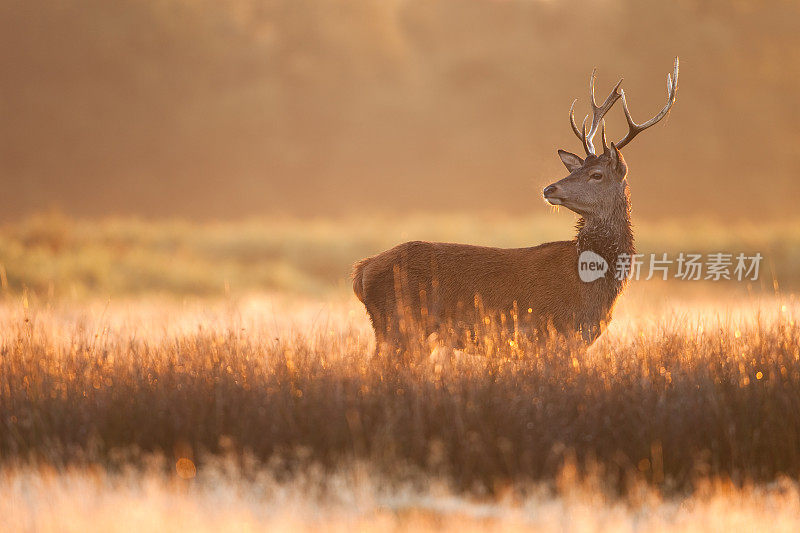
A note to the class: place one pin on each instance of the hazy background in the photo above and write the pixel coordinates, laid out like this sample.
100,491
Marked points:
208,109
186,184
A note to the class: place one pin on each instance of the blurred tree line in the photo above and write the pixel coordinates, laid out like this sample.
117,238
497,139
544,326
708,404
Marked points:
204,108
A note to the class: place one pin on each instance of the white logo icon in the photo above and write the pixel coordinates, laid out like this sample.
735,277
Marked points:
591,266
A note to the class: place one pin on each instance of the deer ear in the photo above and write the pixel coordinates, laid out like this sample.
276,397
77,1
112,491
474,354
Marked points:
570,160
618,161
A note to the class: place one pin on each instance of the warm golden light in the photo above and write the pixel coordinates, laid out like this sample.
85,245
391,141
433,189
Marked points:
185,186
185,468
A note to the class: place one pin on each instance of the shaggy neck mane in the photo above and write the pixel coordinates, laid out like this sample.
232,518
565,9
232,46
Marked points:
609,236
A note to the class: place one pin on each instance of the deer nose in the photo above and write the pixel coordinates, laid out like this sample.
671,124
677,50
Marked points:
549,190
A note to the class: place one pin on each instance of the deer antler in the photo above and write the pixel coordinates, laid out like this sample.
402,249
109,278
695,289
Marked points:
598,112
635,129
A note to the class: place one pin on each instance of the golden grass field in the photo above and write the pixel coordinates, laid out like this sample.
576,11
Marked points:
54,255
262,406
185,186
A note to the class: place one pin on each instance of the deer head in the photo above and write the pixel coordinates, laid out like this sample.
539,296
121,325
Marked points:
597,184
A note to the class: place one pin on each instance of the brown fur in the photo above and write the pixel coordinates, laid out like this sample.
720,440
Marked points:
418,288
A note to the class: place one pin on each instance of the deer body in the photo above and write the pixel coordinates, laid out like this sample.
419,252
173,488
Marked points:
418,288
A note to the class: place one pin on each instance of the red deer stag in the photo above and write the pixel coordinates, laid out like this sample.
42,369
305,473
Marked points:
418,288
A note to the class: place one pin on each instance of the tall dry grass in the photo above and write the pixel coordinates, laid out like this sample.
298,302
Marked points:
667,397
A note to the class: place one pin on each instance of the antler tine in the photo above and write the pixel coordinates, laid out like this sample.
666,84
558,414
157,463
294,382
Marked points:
584,137
579,133
598,112
603,135
572,120
635,129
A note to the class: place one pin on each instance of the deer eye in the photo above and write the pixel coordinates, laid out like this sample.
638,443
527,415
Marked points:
596,176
